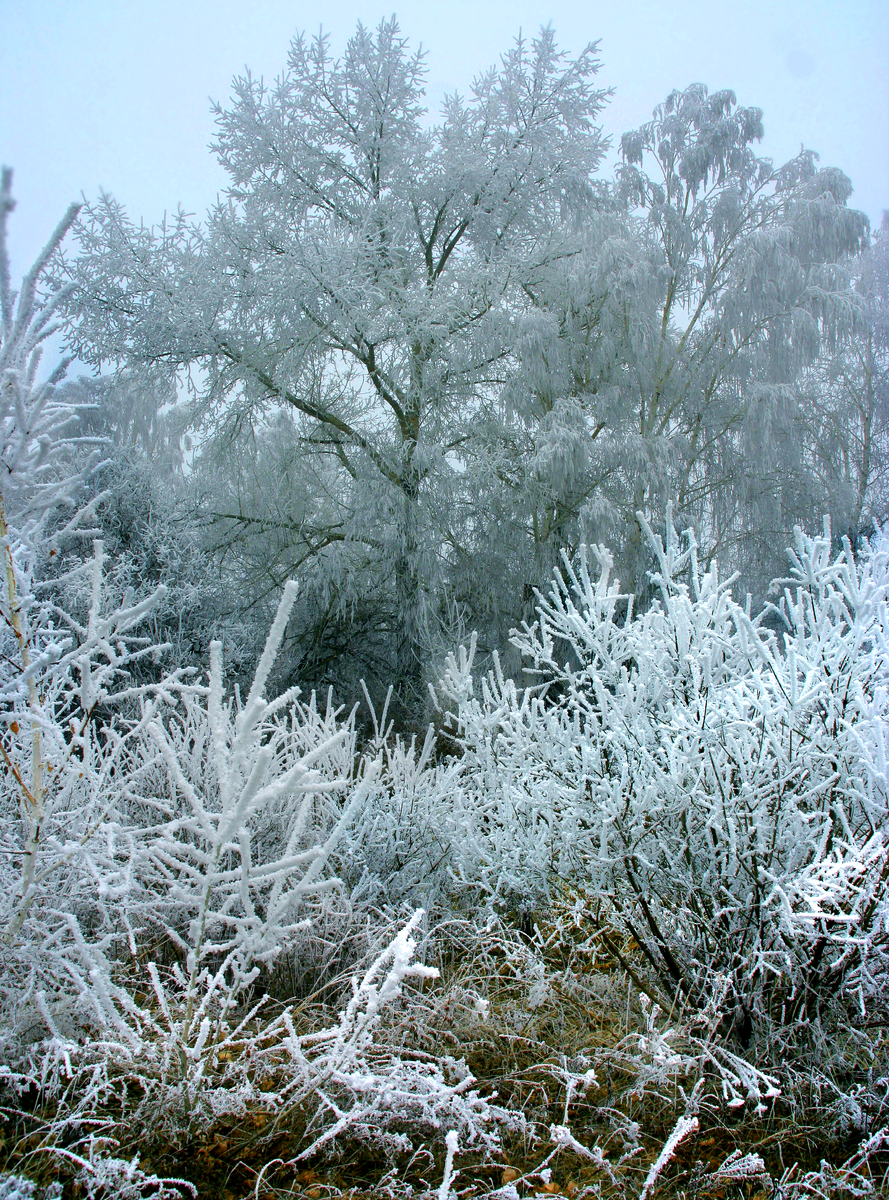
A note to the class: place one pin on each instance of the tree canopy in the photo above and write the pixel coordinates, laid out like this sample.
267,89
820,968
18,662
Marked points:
433,369
424,356
362,276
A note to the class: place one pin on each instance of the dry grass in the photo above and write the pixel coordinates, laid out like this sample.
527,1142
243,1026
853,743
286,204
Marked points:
542,1020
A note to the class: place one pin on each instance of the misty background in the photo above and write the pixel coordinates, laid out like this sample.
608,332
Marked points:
97,95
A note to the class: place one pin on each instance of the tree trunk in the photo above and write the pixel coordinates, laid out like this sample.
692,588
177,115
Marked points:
409,606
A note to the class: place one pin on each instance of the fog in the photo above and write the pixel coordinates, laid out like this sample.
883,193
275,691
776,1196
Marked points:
98,96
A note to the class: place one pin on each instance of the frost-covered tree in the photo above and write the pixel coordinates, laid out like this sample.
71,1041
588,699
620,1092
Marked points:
362,272
753,286
142,508
663,364
163,844
845,399
135,415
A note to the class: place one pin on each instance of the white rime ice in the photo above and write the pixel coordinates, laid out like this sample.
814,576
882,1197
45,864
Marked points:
718,789
436,354
164,844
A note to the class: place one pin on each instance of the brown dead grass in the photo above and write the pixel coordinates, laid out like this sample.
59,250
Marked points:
525,1012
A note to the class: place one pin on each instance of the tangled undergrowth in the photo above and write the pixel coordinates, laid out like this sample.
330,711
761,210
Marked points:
570,1082
627,935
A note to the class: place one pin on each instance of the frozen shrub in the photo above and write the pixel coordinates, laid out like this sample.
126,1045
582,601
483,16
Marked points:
163,844
717,791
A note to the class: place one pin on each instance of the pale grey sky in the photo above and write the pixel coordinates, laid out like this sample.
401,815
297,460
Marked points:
114,94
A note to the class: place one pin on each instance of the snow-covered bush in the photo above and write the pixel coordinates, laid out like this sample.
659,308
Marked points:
58,674
713,791
686,794
164,844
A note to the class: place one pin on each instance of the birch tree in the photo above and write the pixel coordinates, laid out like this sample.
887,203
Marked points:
665,365
846,399
753,287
